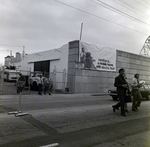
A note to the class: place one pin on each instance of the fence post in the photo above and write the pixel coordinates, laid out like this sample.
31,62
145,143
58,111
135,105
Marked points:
2,78
64,80
54,79
29,80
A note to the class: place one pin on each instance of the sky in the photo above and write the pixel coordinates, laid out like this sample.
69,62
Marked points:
41,25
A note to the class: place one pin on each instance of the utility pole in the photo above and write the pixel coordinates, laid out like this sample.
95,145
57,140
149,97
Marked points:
80,40
81,31
2,78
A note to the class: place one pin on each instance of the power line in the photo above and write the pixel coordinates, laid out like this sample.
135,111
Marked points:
120,12
13,46
135,11
141,4
10,45
131,6
146,2
100,17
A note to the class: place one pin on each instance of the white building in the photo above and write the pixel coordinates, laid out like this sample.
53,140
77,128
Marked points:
45,61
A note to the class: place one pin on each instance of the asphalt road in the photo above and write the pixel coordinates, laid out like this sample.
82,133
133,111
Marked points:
72,121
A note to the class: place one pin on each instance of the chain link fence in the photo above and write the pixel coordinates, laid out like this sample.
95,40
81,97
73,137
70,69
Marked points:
8,81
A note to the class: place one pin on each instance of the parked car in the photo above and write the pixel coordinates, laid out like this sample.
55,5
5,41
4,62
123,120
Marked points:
145,92
113,94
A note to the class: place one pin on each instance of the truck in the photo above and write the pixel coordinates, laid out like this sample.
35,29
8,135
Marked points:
33,80
11,75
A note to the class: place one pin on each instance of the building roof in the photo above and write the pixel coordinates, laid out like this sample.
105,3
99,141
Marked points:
53,54
7,57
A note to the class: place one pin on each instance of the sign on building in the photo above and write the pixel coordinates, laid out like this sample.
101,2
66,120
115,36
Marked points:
97,57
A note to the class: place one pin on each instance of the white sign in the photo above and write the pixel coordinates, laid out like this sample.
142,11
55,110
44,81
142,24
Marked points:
97,57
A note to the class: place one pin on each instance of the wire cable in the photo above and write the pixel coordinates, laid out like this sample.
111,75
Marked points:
141,4
138,12
120,12
100,17
146,2
131,6
10,45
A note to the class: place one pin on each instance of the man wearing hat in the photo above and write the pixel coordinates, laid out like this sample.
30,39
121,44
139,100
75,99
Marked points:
137,98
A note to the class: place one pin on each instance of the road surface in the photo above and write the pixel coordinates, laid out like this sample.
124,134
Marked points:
72,121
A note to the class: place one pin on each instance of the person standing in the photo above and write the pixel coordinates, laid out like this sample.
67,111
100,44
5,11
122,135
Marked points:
40,83
122,86
137,98
127,96
50,86
46,84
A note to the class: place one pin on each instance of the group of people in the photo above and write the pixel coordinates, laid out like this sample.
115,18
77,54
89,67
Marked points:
124,90
46,84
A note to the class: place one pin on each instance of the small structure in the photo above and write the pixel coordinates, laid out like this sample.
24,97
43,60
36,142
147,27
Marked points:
11,60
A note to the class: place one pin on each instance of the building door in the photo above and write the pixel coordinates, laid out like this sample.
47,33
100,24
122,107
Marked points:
42,66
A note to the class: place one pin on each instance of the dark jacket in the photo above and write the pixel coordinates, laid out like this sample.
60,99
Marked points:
119,81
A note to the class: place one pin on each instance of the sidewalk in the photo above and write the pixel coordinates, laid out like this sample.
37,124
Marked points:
35,94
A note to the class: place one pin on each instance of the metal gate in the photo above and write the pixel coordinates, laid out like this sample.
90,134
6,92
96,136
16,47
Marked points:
59,79
8,87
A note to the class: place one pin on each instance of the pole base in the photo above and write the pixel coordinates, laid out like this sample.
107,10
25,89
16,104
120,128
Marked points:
14,112
21,114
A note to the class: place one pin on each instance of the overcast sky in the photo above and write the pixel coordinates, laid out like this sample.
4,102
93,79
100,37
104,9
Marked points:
41,25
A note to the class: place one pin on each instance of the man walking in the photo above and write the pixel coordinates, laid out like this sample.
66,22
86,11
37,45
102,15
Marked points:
137,98
122,86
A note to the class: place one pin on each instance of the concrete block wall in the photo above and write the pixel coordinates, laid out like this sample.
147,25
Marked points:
73,57
95,81
134,64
